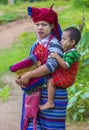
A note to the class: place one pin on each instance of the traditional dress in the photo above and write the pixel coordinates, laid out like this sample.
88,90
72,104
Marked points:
66,77
52,119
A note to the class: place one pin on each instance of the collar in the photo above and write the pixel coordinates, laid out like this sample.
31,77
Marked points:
43,41
73,49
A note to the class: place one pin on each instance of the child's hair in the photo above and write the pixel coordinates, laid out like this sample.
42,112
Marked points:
75,34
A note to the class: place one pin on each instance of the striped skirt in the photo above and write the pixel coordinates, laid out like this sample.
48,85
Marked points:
52,119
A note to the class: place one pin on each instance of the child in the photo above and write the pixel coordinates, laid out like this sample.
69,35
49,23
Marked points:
64,76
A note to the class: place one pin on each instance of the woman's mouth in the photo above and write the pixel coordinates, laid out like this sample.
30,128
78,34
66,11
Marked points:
40,33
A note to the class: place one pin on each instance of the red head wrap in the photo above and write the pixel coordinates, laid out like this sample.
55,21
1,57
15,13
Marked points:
48,15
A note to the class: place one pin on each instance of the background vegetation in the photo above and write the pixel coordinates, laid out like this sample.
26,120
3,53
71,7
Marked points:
70,14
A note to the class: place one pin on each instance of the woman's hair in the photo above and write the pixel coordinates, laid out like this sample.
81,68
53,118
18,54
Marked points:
75,34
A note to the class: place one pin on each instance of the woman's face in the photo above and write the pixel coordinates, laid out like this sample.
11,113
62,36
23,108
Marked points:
43,29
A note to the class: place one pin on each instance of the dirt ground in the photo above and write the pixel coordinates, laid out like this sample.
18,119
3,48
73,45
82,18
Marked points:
10,31
10,111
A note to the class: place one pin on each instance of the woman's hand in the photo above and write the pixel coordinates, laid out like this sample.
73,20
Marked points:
23,80
19,82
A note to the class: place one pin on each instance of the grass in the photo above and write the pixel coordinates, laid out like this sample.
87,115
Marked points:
68,16
19,50
5,93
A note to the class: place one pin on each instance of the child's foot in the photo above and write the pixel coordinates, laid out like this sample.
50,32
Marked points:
46,106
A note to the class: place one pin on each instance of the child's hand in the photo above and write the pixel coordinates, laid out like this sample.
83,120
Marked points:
54,55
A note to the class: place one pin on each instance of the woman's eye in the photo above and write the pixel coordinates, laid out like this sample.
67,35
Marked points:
44,24
37,24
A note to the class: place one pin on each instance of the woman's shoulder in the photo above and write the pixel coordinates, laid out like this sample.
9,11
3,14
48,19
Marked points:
55,42
55,46
33,47
54,39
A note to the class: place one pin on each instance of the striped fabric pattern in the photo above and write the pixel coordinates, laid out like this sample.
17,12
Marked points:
20,72
54,46
56,117
71,56
52,119
22,64
66,77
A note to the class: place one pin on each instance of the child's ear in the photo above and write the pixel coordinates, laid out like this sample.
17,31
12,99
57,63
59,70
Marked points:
73,42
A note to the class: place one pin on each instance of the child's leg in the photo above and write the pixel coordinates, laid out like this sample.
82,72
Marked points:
51,90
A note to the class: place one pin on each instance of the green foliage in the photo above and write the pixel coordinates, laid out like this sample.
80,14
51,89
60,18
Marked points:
10,16
4,2
80,3
17,1
84,49
73,20
19,50
78,106
12,12
4,93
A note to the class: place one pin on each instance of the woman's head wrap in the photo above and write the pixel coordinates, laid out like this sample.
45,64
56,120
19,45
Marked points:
48,15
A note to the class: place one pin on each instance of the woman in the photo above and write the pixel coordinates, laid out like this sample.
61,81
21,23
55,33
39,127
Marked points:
48,32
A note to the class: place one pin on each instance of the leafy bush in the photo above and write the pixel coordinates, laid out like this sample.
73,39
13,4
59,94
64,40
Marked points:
81,3
78,106
84,49
4,1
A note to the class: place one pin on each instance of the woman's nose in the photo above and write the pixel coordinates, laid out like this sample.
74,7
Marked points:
40,27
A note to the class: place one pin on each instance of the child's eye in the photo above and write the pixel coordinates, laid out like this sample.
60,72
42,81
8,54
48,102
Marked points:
63,39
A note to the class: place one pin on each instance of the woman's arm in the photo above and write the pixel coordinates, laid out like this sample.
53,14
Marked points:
38,72
49,67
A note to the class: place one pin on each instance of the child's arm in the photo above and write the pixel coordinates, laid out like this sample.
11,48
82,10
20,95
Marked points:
61,62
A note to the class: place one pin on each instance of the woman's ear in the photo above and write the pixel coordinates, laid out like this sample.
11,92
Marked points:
52,26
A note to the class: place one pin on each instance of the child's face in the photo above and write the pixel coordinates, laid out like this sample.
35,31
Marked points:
43,29
66,42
